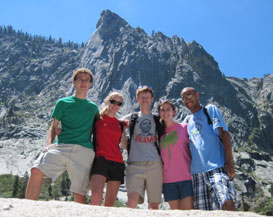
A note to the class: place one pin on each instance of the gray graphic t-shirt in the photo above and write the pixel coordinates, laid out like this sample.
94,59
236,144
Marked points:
143,140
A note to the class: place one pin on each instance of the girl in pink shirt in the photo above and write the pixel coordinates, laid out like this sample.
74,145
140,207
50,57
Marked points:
175,154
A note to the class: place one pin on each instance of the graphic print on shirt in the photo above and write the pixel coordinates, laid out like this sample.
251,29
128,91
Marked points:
168,140
216,121
145,136
195,130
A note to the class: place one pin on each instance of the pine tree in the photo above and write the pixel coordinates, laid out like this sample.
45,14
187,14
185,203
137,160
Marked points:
65,184
60,42
15,186
23,186
49,189
56,192
76,46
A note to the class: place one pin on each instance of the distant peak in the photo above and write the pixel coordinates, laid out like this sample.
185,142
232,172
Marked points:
108,18
194,44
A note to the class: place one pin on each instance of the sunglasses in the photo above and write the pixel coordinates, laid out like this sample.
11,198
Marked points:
146,86
112,101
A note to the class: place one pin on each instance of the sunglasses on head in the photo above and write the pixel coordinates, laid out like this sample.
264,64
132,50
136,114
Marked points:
112,101
146,86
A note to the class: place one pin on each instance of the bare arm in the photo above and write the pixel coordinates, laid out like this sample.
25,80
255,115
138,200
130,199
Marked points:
123,139
96,118
229,167
52,132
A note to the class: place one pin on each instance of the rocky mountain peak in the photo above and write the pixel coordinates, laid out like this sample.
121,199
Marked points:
110,24
35,72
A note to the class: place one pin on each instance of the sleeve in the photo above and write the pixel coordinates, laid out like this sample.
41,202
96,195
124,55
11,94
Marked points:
124,123
217,119
58,110
185,132
97,112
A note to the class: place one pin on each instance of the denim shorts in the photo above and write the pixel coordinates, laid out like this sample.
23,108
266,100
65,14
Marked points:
177,190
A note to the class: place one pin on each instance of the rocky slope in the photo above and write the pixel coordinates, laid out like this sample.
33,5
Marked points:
34,72
27,208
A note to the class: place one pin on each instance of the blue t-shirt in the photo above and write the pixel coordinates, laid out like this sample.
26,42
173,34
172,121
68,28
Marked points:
206,148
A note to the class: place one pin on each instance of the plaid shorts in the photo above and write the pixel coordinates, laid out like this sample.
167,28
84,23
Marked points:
212,189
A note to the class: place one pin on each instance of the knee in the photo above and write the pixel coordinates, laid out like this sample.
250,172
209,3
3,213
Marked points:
35,172
229,205
96,191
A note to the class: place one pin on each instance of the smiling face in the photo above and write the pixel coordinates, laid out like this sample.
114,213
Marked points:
114,104
190,98
166,112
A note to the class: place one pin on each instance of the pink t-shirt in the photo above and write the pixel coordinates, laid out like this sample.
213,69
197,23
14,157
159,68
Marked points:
175,153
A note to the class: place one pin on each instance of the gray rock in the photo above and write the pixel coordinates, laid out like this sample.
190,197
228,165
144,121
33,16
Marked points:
35,72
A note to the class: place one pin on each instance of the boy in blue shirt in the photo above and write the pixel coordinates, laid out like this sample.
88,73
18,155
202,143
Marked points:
212,166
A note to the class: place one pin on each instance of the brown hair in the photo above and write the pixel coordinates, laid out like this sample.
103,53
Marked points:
109,97
143,89
82,70
166,101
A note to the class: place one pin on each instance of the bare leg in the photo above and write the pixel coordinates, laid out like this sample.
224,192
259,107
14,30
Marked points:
133,200
79,198
174,204
153,205
34,184
186,203
97,185
111,193
229,205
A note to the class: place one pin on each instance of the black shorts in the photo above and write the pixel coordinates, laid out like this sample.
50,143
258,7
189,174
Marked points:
113,171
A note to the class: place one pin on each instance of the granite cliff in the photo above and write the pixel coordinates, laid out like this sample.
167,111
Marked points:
35,71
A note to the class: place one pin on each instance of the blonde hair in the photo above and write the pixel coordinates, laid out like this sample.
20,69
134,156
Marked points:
84,71
144,89
108,98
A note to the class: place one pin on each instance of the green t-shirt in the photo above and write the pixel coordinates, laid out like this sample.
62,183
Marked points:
76,117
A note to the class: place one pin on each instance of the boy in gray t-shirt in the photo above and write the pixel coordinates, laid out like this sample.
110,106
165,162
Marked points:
144,171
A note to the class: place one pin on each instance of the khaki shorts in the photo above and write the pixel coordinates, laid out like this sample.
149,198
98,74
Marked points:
145,175
75,159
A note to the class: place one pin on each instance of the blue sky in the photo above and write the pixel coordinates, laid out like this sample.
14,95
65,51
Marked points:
237,33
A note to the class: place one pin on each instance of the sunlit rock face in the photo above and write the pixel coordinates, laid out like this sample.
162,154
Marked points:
35,72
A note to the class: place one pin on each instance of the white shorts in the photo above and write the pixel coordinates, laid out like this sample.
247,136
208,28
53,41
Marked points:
75,159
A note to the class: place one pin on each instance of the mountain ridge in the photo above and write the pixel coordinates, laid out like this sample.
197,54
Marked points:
35,73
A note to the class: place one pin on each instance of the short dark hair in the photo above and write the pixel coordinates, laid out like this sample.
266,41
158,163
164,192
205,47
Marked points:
84,71
190,88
